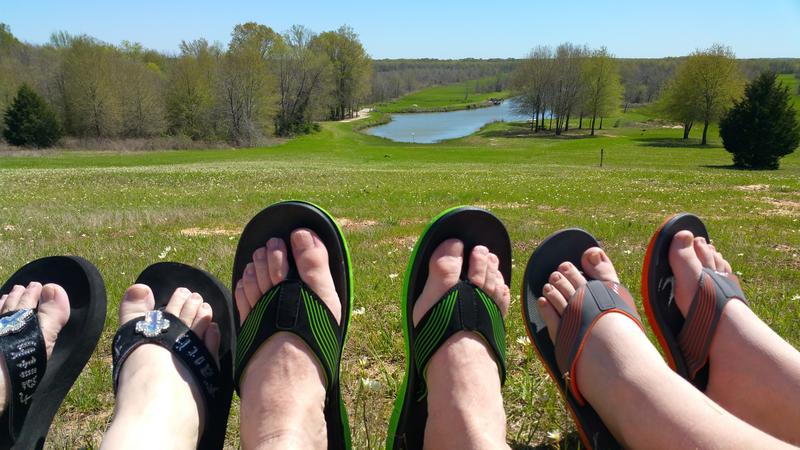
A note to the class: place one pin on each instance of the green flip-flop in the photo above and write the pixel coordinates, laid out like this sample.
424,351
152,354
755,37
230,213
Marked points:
463,307
294,307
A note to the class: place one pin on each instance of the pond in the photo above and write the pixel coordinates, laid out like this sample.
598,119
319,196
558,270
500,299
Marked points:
428,128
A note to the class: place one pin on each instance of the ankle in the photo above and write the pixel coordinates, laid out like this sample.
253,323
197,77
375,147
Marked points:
145,397
462,378
616,357
283,396
463,356
287,438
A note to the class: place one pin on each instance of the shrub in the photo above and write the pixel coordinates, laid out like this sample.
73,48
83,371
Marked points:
30,122
762,127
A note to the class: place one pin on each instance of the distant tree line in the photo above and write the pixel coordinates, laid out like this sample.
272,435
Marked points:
261,83
394,78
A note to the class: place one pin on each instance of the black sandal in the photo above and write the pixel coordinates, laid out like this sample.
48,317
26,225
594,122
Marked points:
293,307
162,328
38,384
463,307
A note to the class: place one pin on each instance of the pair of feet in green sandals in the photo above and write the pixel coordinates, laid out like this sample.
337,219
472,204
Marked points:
618,388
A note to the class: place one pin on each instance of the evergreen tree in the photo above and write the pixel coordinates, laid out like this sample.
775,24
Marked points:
30,122
762,127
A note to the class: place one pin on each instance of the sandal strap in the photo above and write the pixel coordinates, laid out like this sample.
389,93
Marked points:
591,301
176,337
465,307
714,291
25,354
293,307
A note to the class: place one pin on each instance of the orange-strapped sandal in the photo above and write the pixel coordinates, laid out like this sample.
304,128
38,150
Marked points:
591,301
685,341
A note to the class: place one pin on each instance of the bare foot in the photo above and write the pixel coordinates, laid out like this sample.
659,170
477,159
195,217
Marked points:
282,387
52,313
753,372
623,377
465,405
157,395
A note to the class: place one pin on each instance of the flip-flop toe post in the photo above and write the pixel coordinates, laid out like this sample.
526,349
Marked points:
38,386
588,303
164,329
292,306
463,307
685,341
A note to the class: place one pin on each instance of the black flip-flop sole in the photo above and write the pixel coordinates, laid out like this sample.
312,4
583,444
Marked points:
565,245
163,279
473,226
662,312
278,221
76,341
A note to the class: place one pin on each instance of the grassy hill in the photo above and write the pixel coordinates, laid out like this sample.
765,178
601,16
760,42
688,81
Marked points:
125,211
442,98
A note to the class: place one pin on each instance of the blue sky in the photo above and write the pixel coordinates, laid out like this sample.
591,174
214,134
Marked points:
435,29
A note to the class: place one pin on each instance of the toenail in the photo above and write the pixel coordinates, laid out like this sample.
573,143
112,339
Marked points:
48,293
272,243
595,258
32,284
260,254
249,270
548,288
183,290
555,276
301,239
564,266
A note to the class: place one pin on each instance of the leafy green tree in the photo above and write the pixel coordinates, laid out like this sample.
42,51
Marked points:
531,83
763,127
30,122
247,82
141,90
88,86
301,68
678,101
191,90
601,83
351,71
704,86
10,72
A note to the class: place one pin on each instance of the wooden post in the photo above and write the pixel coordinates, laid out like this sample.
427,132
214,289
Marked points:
601,156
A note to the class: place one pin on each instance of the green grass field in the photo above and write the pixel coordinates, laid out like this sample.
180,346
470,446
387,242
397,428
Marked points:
793,83
441,98
125,211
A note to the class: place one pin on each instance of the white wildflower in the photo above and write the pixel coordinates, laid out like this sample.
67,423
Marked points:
359,311
554,435
370,384
163,254
522,340
9,228
393,275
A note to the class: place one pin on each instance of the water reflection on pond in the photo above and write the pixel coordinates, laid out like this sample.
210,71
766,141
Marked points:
427,128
